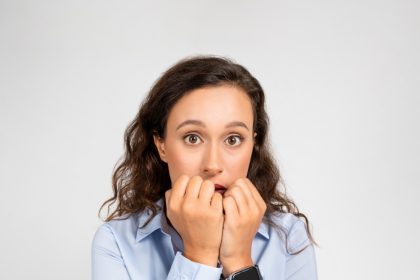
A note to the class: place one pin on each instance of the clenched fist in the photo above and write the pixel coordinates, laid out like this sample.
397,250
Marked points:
244,209
195,210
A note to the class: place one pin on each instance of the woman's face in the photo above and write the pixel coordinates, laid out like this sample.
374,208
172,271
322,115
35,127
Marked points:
209,133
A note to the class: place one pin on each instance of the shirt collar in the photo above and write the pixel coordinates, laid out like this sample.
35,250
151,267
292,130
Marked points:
263,231
157,222
160,222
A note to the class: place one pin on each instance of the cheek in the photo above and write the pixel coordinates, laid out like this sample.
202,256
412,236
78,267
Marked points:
238,163
182,162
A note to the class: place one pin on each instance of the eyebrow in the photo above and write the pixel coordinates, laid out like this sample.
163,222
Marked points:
200,123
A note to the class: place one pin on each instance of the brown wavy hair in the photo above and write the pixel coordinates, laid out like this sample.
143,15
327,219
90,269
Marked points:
141,178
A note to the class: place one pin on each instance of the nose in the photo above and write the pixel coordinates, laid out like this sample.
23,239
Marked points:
212,161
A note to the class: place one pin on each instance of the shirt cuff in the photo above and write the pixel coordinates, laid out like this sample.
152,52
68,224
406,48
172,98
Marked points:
183,268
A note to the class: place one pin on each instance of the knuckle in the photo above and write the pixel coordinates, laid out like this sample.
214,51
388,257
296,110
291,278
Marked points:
240,181
184,177
248,181
264,205
171,207
207,184
196,178
167,193
264,208
217,197
235,190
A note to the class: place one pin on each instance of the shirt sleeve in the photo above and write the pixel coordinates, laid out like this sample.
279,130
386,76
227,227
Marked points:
301,266
183,268
107,262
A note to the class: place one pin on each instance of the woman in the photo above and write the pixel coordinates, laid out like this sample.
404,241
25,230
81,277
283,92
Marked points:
195,193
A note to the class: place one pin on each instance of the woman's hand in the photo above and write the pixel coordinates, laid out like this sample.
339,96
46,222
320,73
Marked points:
196,212
244,209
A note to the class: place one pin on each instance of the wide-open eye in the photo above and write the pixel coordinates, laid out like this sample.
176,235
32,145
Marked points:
192,139
234,140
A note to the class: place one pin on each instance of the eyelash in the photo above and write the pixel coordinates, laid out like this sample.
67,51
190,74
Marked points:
241,138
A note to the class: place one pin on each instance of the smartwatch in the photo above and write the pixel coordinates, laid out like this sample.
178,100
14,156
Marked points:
249,273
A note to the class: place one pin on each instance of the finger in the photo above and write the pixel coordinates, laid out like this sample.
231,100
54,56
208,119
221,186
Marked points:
193,188
246,189
206,191
230,207
238,195
216,201
256,194
178,189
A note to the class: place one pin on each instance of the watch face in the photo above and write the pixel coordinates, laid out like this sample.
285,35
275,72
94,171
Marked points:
247,274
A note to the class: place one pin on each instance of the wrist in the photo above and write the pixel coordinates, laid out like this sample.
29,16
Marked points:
207,258
233,265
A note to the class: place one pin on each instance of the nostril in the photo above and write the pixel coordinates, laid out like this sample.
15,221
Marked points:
212,171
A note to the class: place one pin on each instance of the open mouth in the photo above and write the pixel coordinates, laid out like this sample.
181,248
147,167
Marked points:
219,188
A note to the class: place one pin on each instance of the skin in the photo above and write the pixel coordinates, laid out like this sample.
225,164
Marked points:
214,149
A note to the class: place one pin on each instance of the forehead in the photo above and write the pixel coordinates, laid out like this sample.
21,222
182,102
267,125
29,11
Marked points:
214,106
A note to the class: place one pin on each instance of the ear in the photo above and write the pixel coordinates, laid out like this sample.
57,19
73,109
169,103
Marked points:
160,145
253,139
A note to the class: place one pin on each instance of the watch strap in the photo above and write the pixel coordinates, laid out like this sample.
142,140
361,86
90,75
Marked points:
248,273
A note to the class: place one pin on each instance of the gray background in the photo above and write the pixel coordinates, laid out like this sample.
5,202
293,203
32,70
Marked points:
342,84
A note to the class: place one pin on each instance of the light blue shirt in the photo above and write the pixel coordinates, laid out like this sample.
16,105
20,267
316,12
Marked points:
122,250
